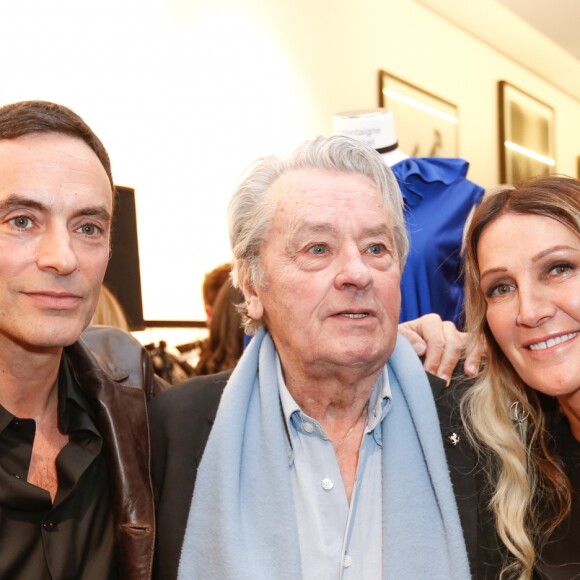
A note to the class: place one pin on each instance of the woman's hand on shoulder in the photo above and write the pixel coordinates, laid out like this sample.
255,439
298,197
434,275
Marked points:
442,345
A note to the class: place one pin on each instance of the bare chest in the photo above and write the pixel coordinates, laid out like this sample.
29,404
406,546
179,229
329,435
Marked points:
48,442
347,456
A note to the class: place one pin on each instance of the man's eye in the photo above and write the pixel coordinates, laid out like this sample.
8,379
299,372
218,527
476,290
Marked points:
376,249
89,229
21,222
317,249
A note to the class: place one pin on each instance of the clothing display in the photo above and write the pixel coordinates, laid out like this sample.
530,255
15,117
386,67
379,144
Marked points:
104,382
438,200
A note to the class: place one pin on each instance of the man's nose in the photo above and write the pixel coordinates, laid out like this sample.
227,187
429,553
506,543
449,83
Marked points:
353,272
55,251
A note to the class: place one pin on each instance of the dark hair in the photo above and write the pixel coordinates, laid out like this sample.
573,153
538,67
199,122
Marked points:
225,344
30,117
213,281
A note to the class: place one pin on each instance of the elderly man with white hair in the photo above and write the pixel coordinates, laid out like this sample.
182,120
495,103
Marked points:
323,457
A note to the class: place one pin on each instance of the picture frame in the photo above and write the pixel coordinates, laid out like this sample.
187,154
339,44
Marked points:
526,135
427,125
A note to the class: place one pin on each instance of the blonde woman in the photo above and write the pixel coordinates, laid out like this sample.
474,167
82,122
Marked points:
523,415
109,311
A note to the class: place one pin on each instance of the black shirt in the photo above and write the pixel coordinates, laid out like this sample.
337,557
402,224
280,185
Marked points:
560,557
74,537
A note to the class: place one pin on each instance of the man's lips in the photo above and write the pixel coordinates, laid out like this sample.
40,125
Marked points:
354,314
55,299
551,342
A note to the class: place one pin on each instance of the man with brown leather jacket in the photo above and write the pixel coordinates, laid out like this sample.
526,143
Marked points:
75,492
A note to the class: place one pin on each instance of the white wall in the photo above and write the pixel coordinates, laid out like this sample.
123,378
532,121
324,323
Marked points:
185,94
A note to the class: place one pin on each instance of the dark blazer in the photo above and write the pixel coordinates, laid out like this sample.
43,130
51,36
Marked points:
180,423
181,420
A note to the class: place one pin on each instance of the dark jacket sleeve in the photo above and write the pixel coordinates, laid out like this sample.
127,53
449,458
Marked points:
180,423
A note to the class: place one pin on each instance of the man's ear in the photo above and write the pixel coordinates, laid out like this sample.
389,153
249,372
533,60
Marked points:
253,302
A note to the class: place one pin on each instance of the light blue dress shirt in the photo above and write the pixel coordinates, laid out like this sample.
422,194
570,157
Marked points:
338,541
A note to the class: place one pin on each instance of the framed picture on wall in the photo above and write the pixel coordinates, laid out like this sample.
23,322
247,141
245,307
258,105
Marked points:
427,125
526,135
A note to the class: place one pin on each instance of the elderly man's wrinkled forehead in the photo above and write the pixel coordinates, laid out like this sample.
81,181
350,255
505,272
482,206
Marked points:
303,185
311,201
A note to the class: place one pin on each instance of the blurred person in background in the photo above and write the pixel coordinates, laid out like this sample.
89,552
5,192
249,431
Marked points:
109,311
224,346
212,284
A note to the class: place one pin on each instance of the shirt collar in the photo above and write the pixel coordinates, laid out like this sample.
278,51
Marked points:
289,405
74,411
5,418
379,402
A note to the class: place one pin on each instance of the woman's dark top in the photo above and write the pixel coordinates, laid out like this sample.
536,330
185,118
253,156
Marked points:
560,556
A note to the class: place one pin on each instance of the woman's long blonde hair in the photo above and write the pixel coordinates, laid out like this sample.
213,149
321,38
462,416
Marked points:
109,311
526,479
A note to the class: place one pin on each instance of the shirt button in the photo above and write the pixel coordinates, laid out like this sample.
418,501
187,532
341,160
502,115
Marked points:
327,484
308,427
16,425
347,561
48,525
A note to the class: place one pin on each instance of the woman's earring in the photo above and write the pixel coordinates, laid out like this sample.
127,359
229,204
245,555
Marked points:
519,417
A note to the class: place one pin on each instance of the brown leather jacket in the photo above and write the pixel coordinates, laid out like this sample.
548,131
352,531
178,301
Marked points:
116,376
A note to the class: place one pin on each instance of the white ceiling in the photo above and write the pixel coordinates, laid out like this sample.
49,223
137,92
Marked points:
554,58
559,20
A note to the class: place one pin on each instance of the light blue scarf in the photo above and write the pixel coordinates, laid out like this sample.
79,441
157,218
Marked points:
242,522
